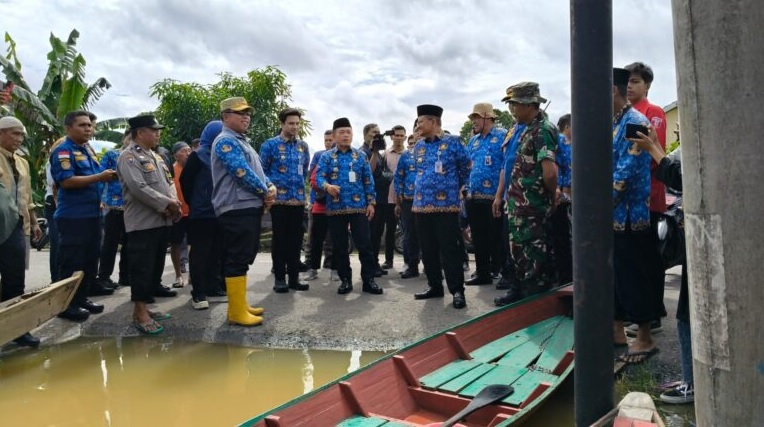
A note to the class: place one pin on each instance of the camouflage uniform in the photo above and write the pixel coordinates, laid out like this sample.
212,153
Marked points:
530,203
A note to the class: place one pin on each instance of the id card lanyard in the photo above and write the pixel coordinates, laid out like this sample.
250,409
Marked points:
438,164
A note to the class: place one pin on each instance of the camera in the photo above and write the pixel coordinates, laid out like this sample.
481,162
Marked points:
378,143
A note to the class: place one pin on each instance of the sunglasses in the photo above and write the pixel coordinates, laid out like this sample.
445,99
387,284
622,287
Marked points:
239,113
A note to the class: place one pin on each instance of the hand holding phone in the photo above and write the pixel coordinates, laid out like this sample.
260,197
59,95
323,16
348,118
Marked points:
633,128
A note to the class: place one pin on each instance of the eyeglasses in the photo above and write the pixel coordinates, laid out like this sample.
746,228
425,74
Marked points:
239,113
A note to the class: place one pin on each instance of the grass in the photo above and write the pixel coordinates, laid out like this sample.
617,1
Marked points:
641,378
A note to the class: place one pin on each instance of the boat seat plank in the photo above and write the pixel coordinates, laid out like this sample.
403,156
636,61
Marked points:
499,375
458,383
537,332
522,355
359,421
447,373
560,343
526,385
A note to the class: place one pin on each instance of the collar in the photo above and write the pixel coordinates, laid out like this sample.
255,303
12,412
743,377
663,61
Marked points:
7,154
643,103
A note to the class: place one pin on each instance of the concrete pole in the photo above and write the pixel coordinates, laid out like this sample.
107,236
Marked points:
720,63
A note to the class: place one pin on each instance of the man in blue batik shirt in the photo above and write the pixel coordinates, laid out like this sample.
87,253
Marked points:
560,220
285,161
404,181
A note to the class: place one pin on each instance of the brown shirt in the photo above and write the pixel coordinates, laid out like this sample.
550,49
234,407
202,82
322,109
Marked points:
147,188
21,193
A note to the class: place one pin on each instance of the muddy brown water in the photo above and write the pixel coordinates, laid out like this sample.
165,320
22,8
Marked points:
152,382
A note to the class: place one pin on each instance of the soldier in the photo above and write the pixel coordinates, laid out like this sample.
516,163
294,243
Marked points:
405,178
531,194
151,206
345,175
285,160
442,171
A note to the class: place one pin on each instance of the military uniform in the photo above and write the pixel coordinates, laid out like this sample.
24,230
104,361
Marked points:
404,181
114,226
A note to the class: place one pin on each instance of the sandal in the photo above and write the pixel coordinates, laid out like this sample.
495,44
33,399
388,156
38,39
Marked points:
158,315
637,357
149,328
179,282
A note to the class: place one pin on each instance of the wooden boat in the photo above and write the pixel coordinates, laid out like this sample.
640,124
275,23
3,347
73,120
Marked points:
528,345
28,311
636,409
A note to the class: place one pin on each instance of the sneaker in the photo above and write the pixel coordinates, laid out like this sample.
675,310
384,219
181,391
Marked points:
310,275
683,393
655,328
334,276
200,303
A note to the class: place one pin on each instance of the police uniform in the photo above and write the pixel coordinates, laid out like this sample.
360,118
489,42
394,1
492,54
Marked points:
147,190
114,226
286,163
350,171
404,181
442,165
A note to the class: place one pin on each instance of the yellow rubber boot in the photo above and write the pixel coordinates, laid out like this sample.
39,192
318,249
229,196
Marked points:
255,311
238,310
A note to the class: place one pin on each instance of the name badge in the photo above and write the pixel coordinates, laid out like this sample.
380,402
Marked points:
438,167
351,176
299,169
488,160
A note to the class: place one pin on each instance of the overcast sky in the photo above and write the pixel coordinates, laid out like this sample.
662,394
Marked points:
372,61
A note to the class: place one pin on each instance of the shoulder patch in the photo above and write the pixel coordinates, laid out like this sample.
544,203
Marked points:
240,172
226,148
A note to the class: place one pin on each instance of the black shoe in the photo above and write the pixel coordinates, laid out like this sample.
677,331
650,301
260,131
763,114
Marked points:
430,292
74,313
280,286
409,273
371,287
387,265
150,300
90,306
378,272
345,287
381,271
459,301
478,280
97,289
298,285
304,267
504,284
512,296
107,283
27,340
162,291
495,275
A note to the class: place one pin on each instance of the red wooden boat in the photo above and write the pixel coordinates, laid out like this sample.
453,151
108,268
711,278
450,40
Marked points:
528,345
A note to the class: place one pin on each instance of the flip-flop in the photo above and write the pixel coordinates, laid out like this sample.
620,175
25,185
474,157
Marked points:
646,354
158,315
149,328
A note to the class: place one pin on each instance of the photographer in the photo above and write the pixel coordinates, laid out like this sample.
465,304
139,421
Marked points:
373,143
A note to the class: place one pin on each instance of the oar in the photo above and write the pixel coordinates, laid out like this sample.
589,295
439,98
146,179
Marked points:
488,395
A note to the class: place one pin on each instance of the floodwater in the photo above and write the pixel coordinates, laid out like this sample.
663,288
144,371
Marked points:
151,382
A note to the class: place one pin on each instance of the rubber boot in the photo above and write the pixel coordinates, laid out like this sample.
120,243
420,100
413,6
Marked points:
255,311
238,310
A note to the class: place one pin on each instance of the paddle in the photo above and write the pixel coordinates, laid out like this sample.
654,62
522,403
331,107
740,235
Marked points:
488,395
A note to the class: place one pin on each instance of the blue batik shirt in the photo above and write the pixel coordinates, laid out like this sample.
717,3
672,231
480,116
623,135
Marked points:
351,172
112,195
443,167
564,163
68,160
511,142
405,176
487,161
313,164
631,175
286,164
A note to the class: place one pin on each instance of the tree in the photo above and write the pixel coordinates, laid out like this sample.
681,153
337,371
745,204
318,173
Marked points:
64,89
504,120
185,108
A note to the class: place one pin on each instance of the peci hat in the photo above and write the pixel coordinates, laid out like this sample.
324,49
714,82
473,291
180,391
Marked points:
11,122
179,146
524,93
235,103
144,121
342,122
483,110
429,110
621,76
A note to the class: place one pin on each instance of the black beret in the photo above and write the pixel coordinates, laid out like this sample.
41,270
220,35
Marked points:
342,122
621,77
429,110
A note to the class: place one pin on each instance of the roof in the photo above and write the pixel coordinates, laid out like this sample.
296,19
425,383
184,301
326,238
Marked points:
670,107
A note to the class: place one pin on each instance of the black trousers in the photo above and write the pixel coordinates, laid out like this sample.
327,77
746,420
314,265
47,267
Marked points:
113,235
439,236
318,235
561,243
410,236
206,256
287,240
636,299
12,262
359,226
79,247
384,222
147,250
508,270
241,239
658,270
486,237
50,209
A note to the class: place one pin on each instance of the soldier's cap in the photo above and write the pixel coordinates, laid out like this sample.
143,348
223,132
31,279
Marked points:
11,122
235,103
179,146
429,110
483,110
621,76
144,121
524,93
342,122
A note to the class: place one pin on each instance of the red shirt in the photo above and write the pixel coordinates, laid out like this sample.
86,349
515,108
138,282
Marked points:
318,207
657,118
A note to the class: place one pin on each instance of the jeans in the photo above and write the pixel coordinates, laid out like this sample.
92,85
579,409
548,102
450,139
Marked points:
685,350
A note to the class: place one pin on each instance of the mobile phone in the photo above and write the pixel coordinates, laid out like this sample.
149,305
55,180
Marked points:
633,128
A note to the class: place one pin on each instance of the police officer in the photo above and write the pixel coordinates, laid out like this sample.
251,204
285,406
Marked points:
151,205
285,162
531,194
79,178
442,170
345,175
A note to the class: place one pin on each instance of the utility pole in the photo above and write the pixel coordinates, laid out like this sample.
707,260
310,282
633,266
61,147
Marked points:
591,26
719,60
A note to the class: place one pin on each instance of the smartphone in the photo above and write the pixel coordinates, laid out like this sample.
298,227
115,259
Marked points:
633,128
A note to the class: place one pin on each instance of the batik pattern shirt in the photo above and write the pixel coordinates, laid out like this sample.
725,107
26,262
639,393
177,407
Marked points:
510,151
112,195
564,163
487,161
351,172
442,165
631,175
286,164
528,197
68,160
405,176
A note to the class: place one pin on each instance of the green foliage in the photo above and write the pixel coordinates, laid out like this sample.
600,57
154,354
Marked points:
504,120
185,108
